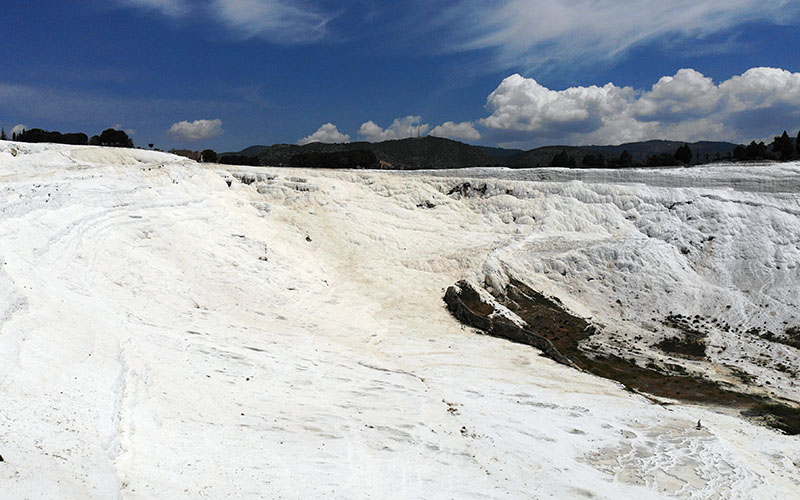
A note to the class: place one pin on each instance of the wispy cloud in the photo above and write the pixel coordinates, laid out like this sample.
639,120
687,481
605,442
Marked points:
284,22
172,8
531,34
524,34
277,21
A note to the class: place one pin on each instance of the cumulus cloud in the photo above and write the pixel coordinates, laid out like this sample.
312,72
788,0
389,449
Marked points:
401,128
19,128
197,130
278,21
452,130
327,133
687,106
688,93
532,33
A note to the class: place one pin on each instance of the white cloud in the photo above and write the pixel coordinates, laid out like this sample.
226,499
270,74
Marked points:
197,130
532,33
688,93
687,106
523,104
452,130
327,133
19,128
401,128
277,21
762,87
169,7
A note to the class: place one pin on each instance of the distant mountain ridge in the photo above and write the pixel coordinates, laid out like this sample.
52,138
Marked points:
439,153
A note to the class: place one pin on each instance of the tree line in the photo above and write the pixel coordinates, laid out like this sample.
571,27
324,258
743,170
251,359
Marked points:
782,148
682,156
109,137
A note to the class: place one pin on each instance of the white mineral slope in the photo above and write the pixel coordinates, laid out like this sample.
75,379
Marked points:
720,245
166,335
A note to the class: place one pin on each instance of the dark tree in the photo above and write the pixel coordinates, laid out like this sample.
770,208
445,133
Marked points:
625,159
78,138
589,161
39,135
208,156
740,153
150,146
95,141
560,160
115,138
783,146
756,151
3,136
684,154
600,161
662,160
797,143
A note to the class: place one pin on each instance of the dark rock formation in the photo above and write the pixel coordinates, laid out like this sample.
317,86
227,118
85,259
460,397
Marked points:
465,304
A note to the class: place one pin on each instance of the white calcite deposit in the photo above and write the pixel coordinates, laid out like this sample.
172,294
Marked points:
169,331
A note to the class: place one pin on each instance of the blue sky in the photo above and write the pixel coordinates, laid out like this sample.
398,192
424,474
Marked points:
227,74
